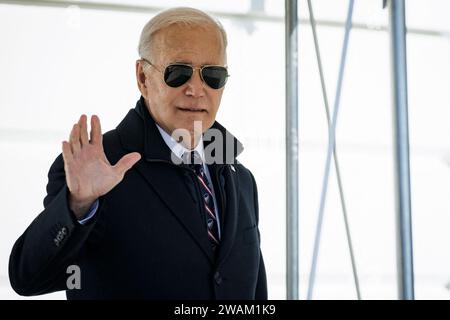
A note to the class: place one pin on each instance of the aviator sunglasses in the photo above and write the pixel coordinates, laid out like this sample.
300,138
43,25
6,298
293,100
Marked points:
177,74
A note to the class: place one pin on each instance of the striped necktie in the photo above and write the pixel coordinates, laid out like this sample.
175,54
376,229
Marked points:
208,201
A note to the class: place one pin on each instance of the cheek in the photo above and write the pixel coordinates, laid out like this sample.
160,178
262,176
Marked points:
216,101
215,104
159,96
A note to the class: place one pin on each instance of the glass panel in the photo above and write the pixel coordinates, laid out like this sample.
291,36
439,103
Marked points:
365,149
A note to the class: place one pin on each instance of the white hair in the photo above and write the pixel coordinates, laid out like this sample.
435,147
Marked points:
181,16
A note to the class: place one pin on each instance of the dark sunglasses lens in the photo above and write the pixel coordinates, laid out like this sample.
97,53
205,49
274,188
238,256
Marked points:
177,75
215,77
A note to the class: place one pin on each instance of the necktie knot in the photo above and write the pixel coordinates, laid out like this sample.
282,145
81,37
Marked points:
194,161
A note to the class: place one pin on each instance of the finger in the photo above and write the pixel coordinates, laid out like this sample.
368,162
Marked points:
83,130
127,161
75,138
66,152
96,130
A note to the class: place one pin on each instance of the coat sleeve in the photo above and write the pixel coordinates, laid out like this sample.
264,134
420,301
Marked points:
261,286
40,257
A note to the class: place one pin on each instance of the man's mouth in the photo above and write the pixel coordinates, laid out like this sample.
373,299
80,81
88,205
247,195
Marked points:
184,109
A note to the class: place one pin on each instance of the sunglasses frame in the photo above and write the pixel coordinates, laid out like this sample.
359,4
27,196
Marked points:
193,71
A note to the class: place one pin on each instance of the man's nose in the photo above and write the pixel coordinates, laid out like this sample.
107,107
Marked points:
195,85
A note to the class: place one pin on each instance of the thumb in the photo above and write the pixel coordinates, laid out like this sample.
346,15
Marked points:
127,161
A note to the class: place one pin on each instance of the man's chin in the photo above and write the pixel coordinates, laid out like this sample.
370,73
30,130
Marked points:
189,134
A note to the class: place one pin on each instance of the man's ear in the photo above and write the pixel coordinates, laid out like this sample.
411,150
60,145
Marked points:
141,77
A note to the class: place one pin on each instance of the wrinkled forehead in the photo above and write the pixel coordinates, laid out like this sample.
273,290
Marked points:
183,42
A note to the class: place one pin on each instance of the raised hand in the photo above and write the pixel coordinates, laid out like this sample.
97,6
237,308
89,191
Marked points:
89,174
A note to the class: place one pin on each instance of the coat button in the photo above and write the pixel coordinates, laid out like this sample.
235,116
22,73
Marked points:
218,278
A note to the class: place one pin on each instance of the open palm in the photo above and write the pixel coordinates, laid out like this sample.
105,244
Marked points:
89,174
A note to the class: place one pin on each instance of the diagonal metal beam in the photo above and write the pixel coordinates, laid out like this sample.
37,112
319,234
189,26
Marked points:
331,144
335,156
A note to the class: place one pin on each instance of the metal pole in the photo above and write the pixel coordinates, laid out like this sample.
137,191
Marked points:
292,266
397,30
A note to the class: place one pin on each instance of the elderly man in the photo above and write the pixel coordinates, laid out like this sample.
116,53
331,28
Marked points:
168,220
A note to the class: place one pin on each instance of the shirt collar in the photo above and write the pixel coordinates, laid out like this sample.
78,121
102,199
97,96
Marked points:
177,148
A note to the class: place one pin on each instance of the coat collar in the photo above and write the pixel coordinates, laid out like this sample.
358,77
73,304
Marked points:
138,132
